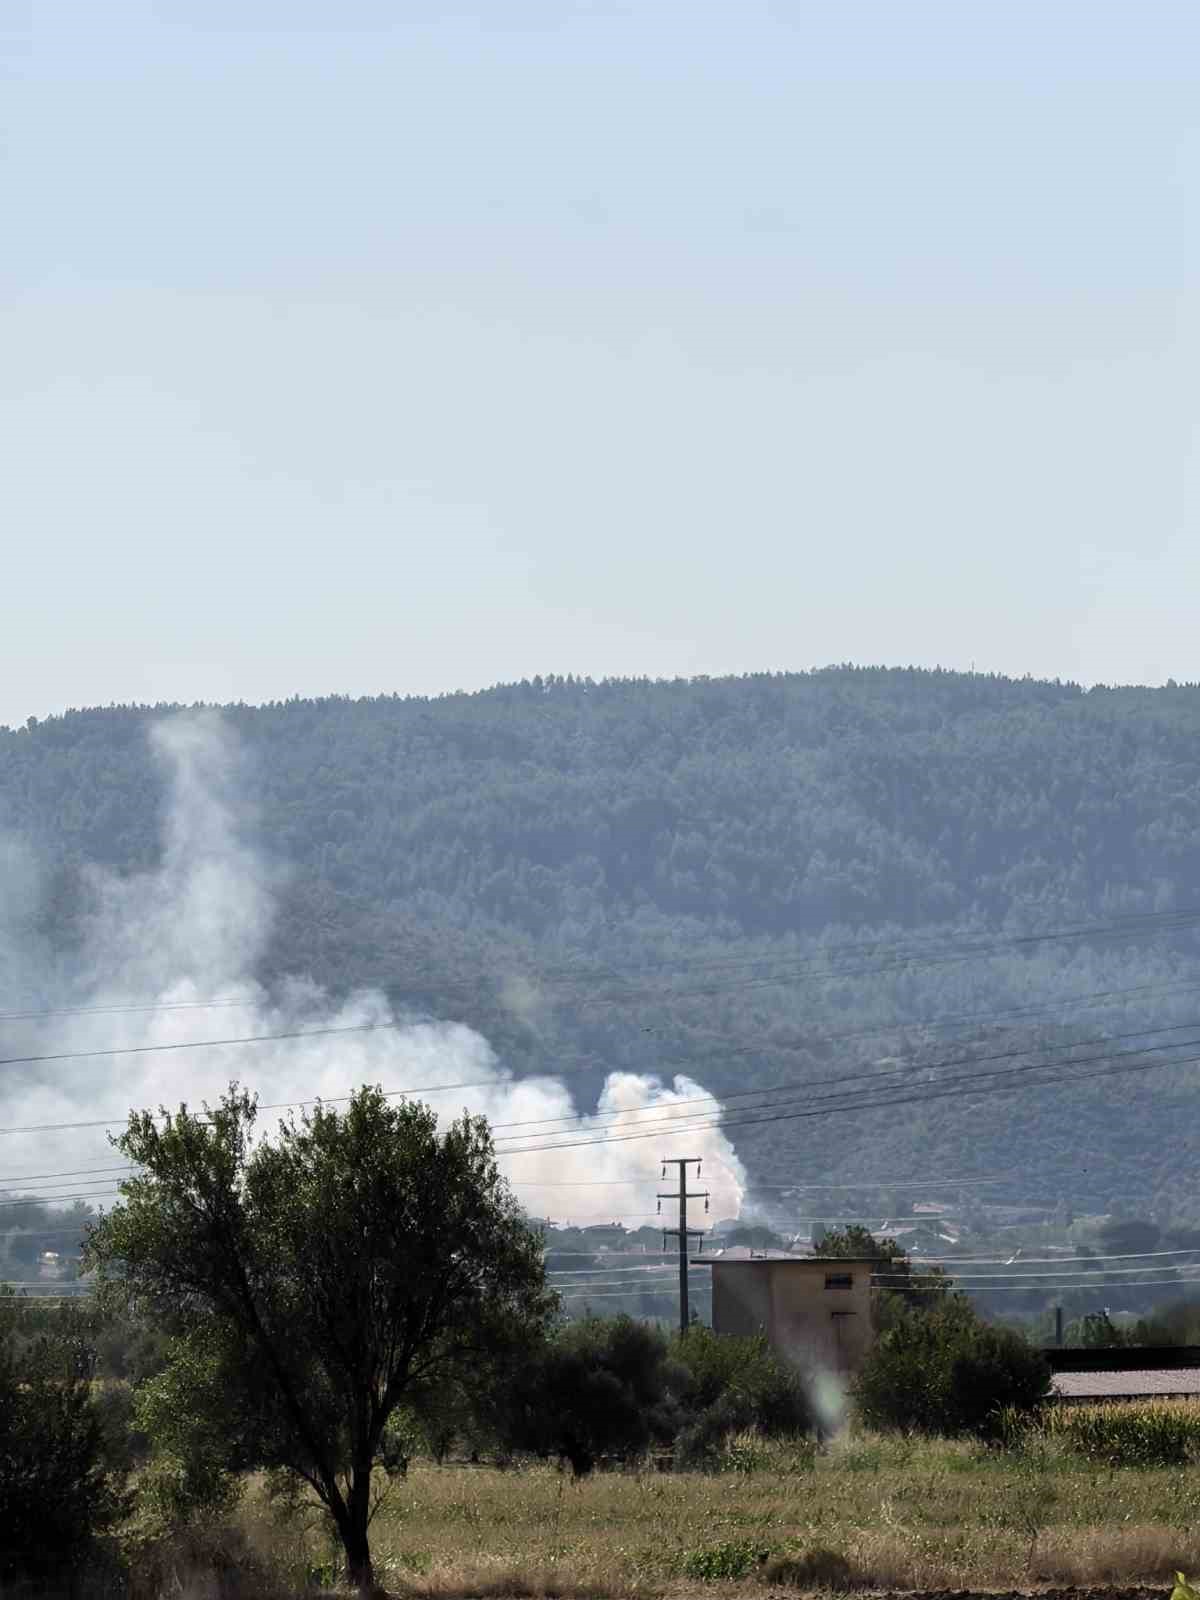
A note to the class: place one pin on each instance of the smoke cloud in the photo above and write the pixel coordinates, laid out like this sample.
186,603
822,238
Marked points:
193,930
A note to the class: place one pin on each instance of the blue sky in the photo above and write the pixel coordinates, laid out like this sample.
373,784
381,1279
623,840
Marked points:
360,346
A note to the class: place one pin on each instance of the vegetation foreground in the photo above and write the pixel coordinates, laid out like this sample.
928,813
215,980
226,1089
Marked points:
869,1511
292,1339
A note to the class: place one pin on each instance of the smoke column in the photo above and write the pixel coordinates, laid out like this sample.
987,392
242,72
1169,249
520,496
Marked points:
193,930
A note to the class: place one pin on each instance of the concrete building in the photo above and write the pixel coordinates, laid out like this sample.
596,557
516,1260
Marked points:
816,1310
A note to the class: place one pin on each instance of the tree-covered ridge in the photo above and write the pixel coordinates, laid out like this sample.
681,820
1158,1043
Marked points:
776,804
664,861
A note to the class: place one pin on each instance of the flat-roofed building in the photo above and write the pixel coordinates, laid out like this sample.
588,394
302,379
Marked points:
815,1310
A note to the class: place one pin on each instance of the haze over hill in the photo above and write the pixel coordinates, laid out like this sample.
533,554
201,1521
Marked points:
763,882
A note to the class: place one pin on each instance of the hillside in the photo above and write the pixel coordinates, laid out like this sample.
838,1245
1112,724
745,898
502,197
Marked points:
734,878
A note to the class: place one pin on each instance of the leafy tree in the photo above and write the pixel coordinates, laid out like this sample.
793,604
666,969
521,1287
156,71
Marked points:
58,1486
735,1383
855,1240
601,1388
315,1281
897,1287
943,1371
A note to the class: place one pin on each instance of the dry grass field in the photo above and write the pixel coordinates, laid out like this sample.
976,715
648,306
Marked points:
867,1512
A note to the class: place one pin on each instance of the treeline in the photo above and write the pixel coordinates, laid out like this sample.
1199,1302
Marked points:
698,876
319,1307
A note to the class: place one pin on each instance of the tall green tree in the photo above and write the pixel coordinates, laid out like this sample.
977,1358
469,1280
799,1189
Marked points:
321,1277
894,1275
944,1371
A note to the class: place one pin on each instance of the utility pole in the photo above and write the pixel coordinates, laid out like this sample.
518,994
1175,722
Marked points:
683,1232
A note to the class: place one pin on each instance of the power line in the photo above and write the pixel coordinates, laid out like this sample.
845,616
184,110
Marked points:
656,1283
1048,1288
1020,1277
604,1294
200,1044
71,1172
121,1009
1121,927
988,1261
969,1087
59,1199
665,1113
609,1272
491,1082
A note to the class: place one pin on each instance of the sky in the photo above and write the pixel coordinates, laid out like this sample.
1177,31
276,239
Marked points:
416,345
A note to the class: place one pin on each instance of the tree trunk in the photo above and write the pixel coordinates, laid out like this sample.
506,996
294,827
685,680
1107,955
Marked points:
358,1560
352,1530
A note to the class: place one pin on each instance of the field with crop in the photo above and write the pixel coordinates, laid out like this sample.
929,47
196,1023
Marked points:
869,1512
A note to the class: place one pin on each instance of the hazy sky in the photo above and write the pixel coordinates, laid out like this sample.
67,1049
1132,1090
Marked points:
357,346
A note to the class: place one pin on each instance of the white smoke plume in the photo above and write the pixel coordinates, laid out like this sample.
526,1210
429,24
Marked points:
193,930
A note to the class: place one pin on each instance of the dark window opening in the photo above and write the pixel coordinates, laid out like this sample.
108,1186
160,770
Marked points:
839,1280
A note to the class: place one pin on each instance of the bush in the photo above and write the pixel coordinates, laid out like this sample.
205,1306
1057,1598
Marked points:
598,1390
58,1485
612,1389
193,1473
744,1378
731,1559
943,1371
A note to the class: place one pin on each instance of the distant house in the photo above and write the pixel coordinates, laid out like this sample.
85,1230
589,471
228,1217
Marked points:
603,1232
815,1310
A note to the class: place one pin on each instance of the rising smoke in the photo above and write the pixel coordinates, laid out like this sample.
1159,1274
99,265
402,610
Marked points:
193,930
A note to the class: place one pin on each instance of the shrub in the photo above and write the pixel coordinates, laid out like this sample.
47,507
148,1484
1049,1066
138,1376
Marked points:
731,1559
58,1487
599,1389
192,1476
943,1371
611,1389
743,1376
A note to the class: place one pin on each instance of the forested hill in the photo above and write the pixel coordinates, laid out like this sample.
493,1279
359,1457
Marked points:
658,864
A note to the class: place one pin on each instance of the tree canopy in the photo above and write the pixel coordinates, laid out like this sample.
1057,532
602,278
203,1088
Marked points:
317,1279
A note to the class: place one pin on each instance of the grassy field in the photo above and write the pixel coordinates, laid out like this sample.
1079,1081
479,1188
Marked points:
868,1511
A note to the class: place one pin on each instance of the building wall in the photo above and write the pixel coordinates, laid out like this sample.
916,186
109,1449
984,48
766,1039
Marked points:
741,1298
806,1321
827,1327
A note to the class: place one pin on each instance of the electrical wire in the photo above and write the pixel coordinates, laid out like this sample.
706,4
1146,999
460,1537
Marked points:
121,1009
901,955
58,1199
968,1089
989,1261
665,1111
1021,1277
491,1082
